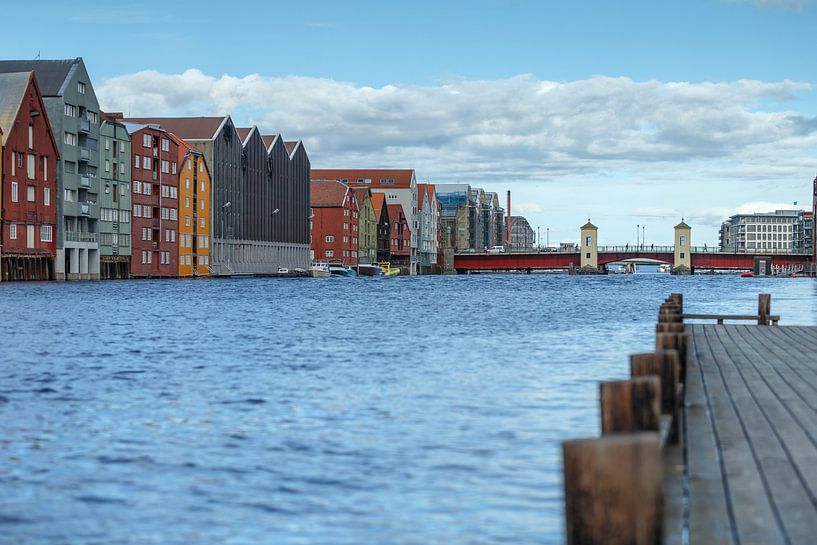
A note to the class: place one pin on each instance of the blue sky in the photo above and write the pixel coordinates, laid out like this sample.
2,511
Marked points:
636,109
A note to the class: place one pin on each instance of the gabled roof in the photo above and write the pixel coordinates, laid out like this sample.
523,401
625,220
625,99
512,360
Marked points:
269,140
327,193
683,225
361,194
12,91
51,75
243,133
589,225
377,202
402,177
290,147
183,145
189,128
395,210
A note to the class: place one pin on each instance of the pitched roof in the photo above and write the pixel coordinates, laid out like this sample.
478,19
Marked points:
189,128
402,177
243,132
395,210
51,75
588,225
290,146
268,139
683,225
12,91
183,145
361,194
377,202
327,193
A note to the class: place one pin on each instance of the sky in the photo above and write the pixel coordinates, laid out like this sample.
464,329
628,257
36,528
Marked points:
631,113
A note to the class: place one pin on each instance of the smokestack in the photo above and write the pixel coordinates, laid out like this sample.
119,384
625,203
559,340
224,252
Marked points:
508,240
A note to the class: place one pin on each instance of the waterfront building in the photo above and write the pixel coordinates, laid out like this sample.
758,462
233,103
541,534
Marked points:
490,219
195,213
73,112
399,187
29,156
381,212
400,238
366,226
458,216
781,231
522,234
814,215
155,197
259,195
428,234
334,222
114,200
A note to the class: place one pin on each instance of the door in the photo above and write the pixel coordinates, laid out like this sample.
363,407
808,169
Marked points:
29,236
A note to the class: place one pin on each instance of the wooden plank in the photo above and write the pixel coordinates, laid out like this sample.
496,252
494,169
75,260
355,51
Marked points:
613,490
630,405
710,520
796,366
755,520
786,455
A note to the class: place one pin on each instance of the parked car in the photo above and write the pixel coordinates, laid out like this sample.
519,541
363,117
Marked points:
497,250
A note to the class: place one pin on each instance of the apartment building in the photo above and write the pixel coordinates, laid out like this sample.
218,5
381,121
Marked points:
73,111
195,211
114,200
781,231
334,222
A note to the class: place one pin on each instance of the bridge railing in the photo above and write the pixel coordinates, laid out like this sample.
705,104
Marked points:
643,248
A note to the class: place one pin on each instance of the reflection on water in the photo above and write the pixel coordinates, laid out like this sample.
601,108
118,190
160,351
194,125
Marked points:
331,411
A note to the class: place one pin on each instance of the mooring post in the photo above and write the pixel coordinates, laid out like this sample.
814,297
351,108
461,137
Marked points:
613,490
674,341
630,405
666,366
764,308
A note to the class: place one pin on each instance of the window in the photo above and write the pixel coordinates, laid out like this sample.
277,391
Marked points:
80,88
121,147
189,241
45,168
682,255
587,255
13,231
165,144
202,185
107,143
30,136
31,193
30,164
173,168
146,140
71,139
165,166
45,233
329,238
202,205
588,241
330,253
124,216
146,163
107,165
201,222
137,186
146,188
174,214
47,196
187,221
137,210
136,161
93,117
201,169
682,241
70,110
122,169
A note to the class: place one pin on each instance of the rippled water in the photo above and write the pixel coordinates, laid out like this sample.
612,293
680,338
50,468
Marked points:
336,411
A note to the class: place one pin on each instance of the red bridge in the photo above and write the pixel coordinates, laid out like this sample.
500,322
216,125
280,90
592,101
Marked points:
702,258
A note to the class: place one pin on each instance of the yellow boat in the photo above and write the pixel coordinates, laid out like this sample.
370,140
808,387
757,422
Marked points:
387,269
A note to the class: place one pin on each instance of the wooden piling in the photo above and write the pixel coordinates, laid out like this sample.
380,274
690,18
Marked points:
666,366
631,405
669,327
674,341
764,308
613,490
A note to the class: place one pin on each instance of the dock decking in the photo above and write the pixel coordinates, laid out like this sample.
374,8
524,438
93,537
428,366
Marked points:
751,434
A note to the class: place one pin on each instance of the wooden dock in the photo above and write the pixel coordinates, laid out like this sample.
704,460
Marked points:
712,441
751,434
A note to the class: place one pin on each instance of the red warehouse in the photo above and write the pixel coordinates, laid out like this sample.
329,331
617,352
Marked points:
335,222
400,238
29,181
155,186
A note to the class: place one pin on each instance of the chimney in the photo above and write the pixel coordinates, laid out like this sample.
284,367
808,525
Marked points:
508,234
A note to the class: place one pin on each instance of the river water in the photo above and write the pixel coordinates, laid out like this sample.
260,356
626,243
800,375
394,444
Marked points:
424,410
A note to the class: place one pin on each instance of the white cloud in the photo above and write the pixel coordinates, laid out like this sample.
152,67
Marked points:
614,135
526,208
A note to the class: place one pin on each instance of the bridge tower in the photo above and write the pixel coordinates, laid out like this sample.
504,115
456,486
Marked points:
682,264
589,247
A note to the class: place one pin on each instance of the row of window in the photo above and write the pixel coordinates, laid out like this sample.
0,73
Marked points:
114,239
146,163
346,253
164,258
148,141
170,214
113,214
46,233
31,194
108,167
170,192
31,165
331,238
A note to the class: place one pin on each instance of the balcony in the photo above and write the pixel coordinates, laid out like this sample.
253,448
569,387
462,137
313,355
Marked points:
80,236
84,125
155,223
85,181
155,245
85,209
84,154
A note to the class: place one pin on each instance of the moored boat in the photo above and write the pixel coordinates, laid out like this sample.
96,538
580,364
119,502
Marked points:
319,269
369,269
388,270
336,268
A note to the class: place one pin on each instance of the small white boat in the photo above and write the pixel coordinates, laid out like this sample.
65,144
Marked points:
319,269
283,270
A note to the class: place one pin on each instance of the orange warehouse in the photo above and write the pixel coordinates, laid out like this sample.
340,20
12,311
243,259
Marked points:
195,211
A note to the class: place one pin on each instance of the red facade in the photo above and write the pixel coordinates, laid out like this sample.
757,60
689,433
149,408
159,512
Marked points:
335,216
155,218
29,188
